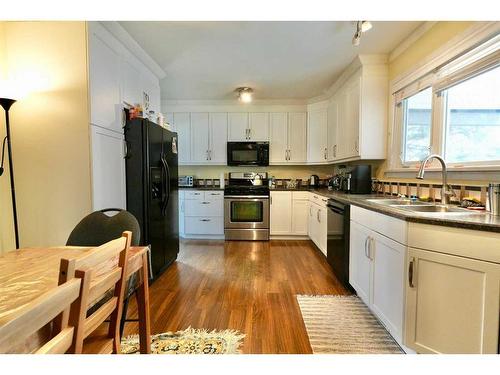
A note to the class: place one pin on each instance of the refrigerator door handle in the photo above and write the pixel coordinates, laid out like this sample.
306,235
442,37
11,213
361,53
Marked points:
167,186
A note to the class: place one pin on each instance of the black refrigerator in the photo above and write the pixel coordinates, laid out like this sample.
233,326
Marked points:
152,192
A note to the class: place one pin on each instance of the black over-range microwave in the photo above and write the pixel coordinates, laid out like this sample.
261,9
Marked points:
248,153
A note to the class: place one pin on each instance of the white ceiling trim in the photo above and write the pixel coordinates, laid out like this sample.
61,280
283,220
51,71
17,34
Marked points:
124,37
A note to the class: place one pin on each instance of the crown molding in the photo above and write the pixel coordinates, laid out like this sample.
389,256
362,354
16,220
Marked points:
130,43
354,65
412,38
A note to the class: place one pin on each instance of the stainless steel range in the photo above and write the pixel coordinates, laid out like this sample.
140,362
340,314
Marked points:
246,207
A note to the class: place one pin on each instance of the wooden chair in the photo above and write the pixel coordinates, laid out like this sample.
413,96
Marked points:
38,313
101,269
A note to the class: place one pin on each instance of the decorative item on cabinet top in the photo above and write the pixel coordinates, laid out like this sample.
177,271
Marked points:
430,192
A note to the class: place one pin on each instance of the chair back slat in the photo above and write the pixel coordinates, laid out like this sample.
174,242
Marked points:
100,285
99,256
99,316
30,318
59,344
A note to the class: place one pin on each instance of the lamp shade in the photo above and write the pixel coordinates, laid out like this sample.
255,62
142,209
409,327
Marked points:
10,90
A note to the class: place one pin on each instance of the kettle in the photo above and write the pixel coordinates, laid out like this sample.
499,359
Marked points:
314,180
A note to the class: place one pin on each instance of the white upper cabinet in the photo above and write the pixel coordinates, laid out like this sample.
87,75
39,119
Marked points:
258,127
238,126
288,134
278,138
104,82
317,136
218,138
297,137
248,127
131,83
357,113
200,137
332,121
182,125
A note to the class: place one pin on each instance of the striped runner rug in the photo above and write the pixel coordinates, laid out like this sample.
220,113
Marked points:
344,325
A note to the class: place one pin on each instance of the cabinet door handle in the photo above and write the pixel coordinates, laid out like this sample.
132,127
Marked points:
250,133
335,151
289,154
204,219
319,219
196,193
205,202
411,271
210,154
325,153
366,246
207,155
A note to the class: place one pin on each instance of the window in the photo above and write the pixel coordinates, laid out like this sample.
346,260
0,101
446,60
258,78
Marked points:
417,115
472,119
452,110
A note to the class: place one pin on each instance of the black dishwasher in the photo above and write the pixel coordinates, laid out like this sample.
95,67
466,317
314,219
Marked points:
338,240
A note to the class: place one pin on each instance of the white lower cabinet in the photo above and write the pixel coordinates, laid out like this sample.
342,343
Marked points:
452,303
318,226
281,213
201,213
288,213
360,265
377,270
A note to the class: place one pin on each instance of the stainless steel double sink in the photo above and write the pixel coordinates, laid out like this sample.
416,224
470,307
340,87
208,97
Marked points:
421,207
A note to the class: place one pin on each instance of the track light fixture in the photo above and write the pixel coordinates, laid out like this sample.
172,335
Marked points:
361,27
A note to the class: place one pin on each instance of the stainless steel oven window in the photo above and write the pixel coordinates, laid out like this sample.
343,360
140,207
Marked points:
247,211
261,206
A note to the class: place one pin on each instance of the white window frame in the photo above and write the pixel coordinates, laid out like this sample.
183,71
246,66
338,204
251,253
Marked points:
429,74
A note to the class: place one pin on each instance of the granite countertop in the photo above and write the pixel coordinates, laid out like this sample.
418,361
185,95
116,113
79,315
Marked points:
475,220
200,188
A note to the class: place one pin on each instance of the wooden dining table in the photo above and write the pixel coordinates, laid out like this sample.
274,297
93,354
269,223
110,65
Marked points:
26,274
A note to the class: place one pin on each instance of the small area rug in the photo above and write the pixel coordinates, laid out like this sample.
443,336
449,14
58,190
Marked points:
344,325
189,341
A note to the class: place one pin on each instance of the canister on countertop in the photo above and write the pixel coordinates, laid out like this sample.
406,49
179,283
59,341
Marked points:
494,198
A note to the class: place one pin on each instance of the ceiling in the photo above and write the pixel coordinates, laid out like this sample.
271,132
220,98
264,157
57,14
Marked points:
278,59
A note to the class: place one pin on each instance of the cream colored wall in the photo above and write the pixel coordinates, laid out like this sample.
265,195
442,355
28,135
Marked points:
50,131
432,39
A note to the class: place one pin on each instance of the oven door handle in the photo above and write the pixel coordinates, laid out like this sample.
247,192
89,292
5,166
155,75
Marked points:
245,197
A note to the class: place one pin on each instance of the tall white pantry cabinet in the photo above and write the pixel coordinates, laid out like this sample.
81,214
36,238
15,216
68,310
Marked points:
116,78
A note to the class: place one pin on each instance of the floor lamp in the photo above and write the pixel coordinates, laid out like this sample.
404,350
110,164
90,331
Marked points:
6,103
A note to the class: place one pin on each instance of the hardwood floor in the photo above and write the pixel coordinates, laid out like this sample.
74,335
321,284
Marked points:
247,286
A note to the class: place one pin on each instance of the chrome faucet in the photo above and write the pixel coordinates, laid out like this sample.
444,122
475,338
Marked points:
444,190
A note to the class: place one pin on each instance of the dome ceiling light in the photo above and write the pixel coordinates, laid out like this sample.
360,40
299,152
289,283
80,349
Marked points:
361,27
244,94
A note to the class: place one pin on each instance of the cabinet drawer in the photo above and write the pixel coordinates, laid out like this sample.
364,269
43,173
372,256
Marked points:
386,225
193,194
318,199
204,225
300,195
203,207
214,195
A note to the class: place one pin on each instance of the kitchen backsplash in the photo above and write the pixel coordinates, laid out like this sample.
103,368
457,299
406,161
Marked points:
429,190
